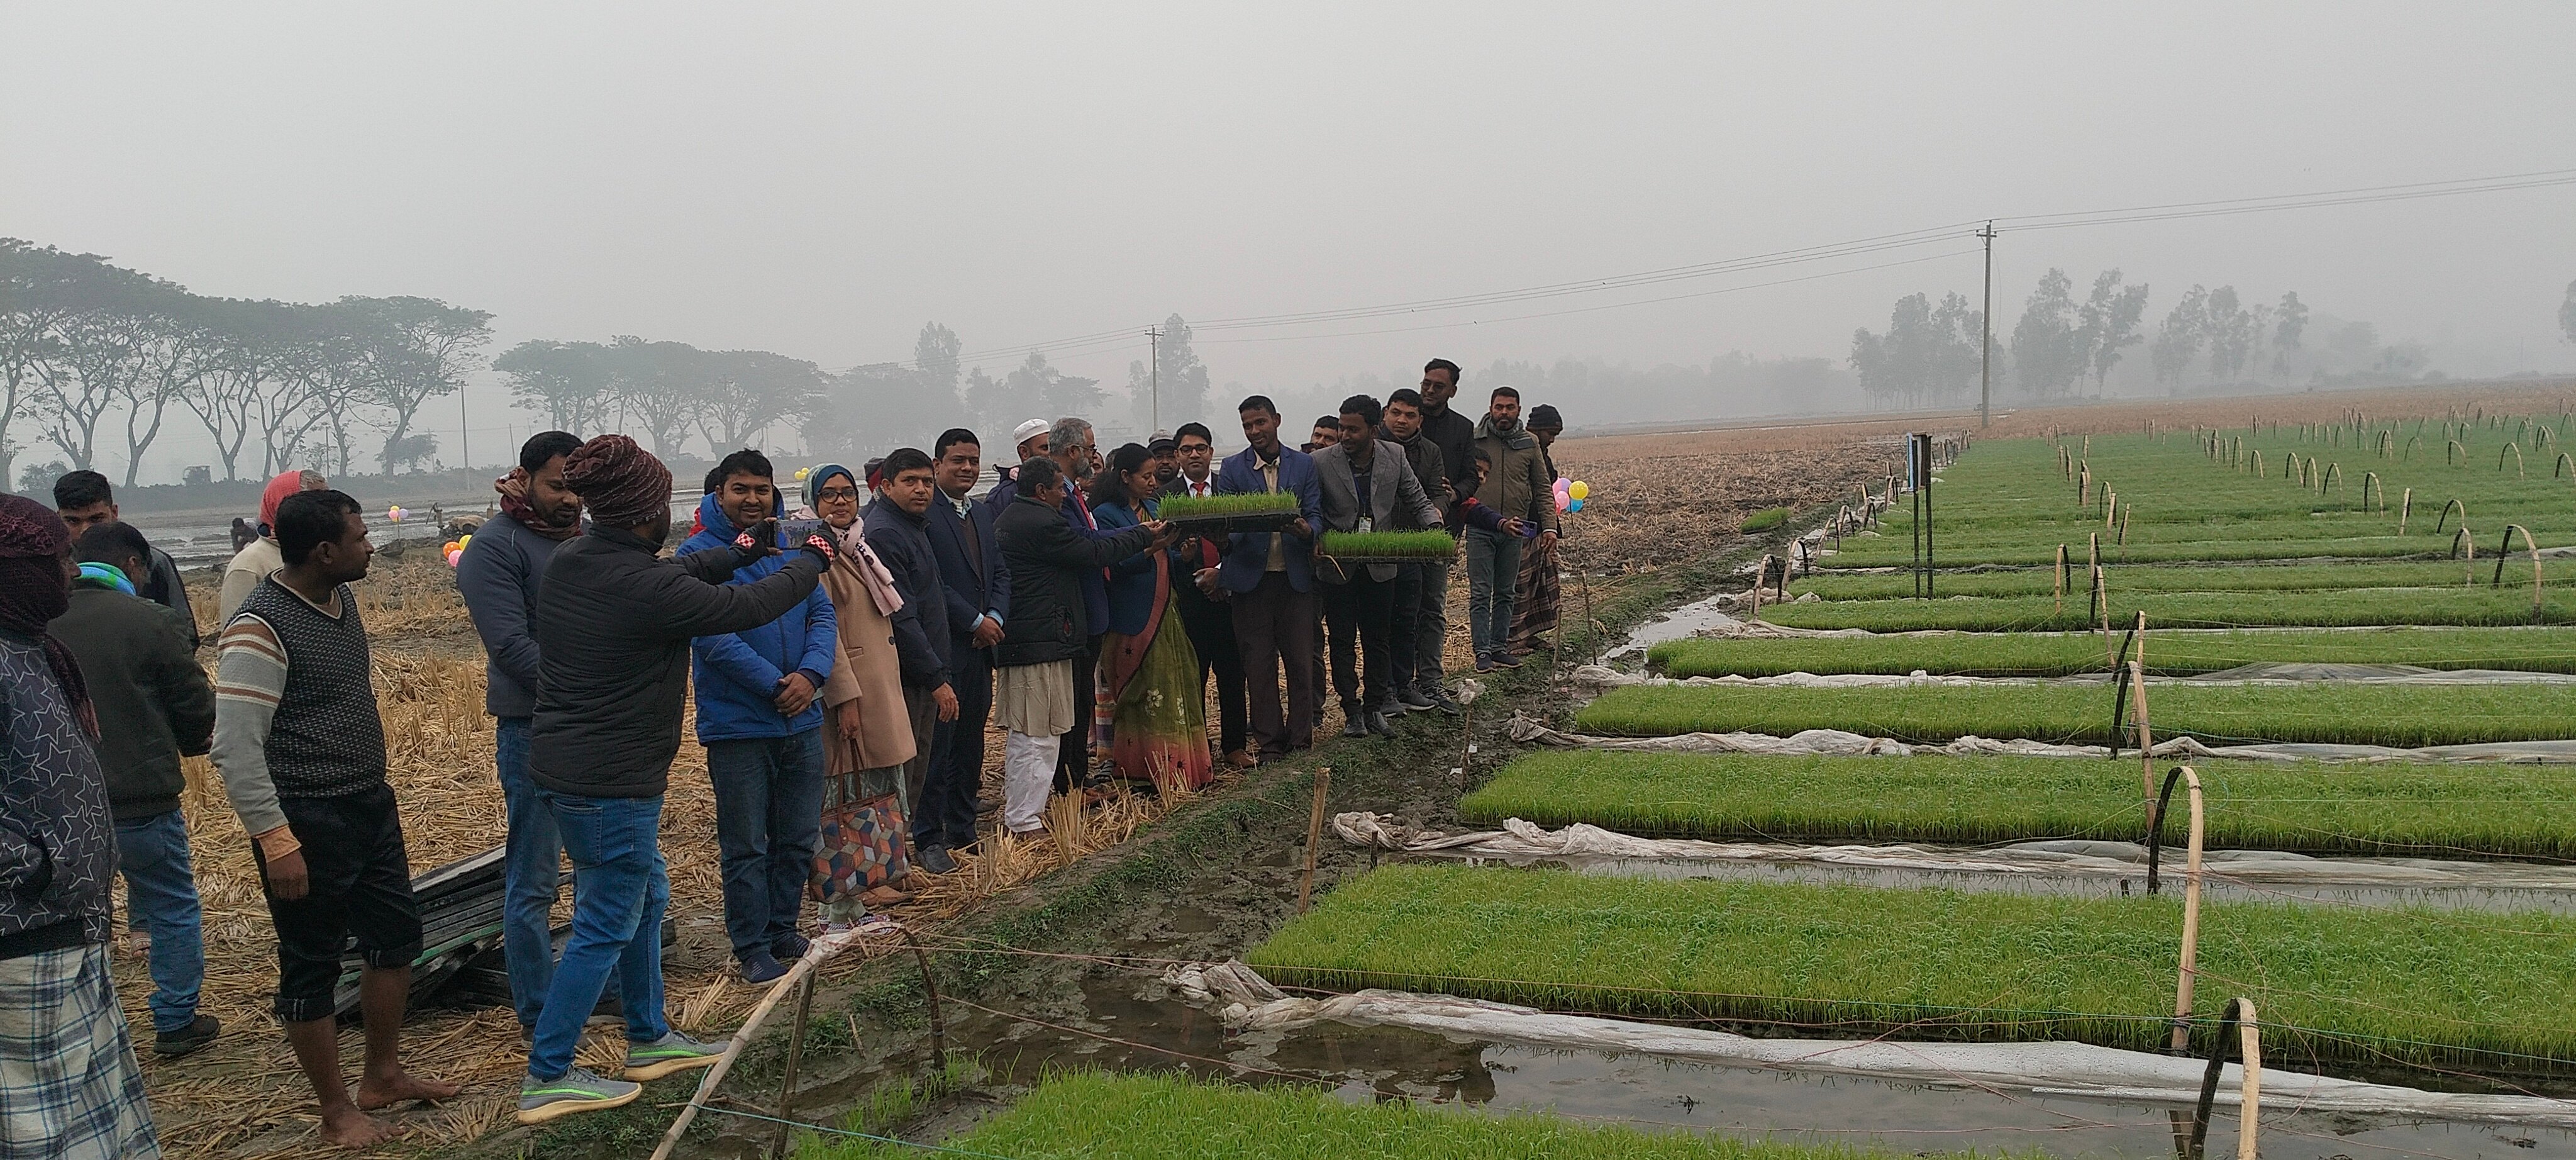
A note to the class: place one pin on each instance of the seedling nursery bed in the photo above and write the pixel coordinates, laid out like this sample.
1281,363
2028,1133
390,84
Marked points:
2393,715
2456,604
2352,985
2538,650
2376,809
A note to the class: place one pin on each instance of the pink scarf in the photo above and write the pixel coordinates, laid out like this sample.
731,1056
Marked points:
863,560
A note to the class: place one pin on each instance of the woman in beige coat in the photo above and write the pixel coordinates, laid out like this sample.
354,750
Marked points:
864,833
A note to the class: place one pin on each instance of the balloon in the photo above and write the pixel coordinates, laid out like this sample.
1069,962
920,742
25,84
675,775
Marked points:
1562,483
1575,506
395,514
453,554
800,473
451,546
1580,490
1562,501
465,539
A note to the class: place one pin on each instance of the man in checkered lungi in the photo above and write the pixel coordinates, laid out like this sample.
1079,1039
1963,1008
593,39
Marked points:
68,1082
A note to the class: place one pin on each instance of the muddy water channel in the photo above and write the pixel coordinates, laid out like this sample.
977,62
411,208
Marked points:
1079,986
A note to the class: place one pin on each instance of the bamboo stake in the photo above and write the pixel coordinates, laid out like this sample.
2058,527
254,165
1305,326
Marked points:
2102,605
2190,920
1314,835
2059,581
2405,507
2138,697
822,950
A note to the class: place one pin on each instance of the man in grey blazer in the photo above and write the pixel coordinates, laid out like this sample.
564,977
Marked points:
1367,485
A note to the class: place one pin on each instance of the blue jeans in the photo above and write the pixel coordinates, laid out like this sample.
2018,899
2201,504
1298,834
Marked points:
619,889
945,815
769,819
1493,575
161,897
533,867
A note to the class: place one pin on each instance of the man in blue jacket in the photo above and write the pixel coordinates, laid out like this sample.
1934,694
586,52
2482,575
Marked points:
977,587
1272,577
498,577
762,724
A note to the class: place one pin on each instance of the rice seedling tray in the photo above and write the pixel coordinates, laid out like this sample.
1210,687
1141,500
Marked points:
2495,993
1238,512
2392,715
1980,654
1156,1117
1388,547
2370,809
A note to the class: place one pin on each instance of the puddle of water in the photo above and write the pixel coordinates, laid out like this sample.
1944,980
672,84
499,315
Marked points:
1679,624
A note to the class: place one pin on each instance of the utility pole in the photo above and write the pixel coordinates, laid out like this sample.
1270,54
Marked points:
1986,347
1154,336
464,434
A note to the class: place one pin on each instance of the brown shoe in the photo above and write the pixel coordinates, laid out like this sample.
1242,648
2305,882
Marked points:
1242,759
881,897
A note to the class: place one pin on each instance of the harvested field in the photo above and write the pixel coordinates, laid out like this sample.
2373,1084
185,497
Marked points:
2375,809
2356,986
2394,715
2536,650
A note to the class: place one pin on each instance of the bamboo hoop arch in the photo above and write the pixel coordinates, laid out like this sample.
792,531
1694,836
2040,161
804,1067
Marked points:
2504,551
2447,509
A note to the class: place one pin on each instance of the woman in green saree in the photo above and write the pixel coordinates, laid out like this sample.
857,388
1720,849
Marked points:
1150,698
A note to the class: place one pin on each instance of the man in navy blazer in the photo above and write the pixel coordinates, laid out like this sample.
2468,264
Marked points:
1272,578
977,590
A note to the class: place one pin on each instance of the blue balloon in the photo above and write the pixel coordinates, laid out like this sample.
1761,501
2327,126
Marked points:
1574,505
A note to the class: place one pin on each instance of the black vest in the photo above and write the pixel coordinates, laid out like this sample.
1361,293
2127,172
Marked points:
326,740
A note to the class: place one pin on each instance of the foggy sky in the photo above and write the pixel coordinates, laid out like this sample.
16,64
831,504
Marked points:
820,180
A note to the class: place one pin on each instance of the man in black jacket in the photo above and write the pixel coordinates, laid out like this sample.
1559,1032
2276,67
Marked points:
614,623
154,703
84,500
1455,435
977,588
1209,622
896,527
1403,427
1034,695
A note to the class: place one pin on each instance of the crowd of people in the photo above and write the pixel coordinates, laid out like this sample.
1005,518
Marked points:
846,656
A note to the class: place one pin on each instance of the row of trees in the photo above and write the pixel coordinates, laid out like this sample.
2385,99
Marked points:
92,353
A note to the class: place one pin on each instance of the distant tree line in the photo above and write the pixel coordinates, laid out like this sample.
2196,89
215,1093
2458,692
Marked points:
94,354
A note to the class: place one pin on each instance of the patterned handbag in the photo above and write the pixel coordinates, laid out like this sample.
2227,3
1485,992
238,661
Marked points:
863,844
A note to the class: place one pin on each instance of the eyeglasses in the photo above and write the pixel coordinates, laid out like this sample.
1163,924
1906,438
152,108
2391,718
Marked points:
1430,384
849,493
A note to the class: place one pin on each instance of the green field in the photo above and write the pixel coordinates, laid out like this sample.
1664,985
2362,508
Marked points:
2363,985
2454,605
1160,1117
2396,715
2178,578
2539,650
2379,809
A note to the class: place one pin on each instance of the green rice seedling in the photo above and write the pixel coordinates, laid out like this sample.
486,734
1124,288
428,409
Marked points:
1846,585
1221,507
1389,545
2537,650
2459,604
2377,986
2377,808
1765,520
1159,1117
2394,715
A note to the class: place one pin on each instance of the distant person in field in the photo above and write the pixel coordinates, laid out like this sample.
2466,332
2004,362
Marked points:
614,623
1209,622
1534,597
498,576
1455,437
253,564
976,586
64,1043
154,704
762,724
1269,578
302,753
1366,486
1402,428
84,500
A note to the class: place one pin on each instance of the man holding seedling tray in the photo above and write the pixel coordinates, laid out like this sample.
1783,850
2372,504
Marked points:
1273,583
1365,485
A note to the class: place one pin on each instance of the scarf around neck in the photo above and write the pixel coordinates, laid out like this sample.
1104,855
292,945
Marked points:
513,489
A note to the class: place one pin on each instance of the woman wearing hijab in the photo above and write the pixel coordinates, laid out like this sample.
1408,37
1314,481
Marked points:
870,733
66,1056
1151,701
257,561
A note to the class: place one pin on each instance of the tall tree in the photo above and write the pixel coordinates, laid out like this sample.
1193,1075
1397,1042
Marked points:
2046,358
244,351
1176,377
39,287
97,357
1050,392
1928,355
2178,339
2289,323
660,384
747,390
934,354
413,350
570,383
2567,314
176,345
2107,323
2232,330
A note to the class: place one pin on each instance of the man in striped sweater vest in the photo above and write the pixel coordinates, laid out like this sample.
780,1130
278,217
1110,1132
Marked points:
302,752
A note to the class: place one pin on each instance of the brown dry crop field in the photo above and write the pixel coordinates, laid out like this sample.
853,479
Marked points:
1656,500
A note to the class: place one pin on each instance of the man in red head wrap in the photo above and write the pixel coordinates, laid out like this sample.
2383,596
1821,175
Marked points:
256,562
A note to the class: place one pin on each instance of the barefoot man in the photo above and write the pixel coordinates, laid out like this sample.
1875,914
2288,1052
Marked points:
302,752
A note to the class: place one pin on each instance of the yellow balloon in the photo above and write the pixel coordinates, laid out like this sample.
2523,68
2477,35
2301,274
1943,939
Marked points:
465,539
800,473
1580,490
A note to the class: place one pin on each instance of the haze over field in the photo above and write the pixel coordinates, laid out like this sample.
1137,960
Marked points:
822,181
